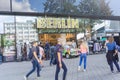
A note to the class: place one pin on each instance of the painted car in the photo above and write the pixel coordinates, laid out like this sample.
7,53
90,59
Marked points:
69,51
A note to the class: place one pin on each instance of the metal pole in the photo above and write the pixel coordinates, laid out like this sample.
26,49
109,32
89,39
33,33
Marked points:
10,5
76,38
15,38
84,30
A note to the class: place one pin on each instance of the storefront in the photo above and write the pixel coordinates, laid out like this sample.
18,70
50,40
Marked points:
51,29
52,38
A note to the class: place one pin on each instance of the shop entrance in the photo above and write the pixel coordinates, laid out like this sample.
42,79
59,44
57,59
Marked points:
52,38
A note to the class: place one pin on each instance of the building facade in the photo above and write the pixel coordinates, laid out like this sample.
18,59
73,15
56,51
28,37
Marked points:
107,28
24,31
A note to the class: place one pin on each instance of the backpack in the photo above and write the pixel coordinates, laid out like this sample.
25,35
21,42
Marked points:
30,55
55,59
54,62
38,50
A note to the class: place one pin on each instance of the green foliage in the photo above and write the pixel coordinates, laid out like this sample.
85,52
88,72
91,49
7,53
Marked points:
2,40
94,7
5,42
60,7
51,6
85,7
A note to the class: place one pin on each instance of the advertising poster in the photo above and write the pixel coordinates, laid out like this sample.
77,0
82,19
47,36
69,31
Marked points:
9,47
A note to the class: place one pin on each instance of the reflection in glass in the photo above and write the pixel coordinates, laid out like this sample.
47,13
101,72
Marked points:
4,5
73,7
26,28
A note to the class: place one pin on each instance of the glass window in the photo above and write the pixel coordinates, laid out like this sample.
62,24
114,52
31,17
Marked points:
4,5
74,7
8,28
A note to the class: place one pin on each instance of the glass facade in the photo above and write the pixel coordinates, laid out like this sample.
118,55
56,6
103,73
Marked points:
74,7
13,27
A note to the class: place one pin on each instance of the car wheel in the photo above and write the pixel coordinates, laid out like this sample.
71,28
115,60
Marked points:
67,56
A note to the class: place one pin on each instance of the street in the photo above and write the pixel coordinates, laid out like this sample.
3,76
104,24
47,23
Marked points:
97,69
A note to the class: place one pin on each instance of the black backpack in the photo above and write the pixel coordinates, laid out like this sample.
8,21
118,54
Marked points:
54,62
37,49
55,59
30,55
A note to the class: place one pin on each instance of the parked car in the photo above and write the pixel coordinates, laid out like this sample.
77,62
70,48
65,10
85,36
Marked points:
69,51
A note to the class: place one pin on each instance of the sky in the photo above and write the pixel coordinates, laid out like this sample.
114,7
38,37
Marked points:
115,6
37,6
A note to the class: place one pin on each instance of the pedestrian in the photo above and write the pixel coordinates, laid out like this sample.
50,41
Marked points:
96,48
35,61
83,55
19,54
111,54
59,62
74,44
28,48
47,50
41,52
52,52
1,55
25,52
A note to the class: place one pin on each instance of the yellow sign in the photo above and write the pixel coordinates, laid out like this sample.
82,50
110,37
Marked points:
57,22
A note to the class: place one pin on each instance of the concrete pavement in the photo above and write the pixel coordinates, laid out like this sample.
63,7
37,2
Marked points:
97,69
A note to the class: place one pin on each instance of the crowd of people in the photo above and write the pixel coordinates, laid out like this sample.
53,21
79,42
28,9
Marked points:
54,54
96,46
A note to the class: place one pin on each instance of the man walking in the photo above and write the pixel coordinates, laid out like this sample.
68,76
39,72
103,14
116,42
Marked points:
35,61
47,50
52,53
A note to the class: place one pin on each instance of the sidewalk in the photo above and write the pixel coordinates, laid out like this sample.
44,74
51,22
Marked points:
97,69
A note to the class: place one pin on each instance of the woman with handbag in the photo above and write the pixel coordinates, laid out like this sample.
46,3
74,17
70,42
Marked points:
111,55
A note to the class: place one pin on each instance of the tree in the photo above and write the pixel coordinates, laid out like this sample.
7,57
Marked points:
94,7
85,7
105,9
51,6
60,6
2,41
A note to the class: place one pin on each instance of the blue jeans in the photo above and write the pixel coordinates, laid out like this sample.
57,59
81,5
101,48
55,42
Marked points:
51,58
35,65
83,56
47,54
58,70
112,59
116,64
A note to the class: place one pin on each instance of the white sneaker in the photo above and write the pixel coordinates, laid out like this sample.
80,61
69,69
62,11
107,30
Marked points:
79,68
25,78
37,78
84,70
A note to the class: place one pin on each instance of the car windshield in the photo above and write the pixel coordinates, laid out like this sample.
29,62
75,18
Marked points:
68,46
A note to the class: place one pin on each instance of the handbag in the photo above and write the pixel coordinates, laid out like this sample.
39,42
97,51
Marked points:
116,57
54,61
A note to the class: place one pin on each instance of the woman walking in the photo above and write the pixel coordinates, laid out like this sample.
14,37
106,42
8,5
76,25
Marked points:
111,55
59,63
83,55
